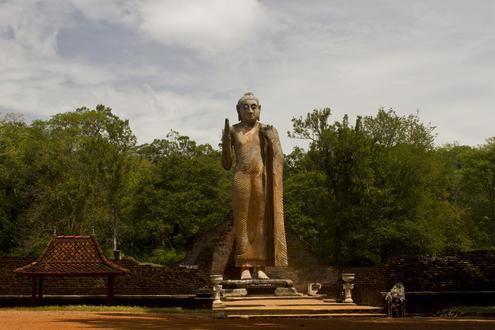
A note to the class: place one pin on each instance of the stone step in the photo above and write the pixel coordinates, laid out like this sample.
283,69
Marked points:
288,304
282,301
272,297
299,310
323,306
322,315
302,306
292,306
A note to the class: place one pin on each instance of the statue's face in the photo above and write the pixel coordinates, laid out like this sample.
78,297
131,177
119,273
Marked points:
249,111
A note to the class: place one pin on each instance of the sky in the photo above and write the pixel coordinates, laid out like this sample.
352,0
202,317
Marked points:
183,64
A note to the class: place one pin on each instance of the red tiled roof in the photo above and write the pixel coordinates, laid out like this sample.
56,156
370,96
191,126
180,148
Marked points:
72,256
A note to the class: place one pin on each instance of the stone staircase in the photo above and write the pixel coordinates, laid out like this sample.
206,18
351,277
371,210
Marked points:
270,306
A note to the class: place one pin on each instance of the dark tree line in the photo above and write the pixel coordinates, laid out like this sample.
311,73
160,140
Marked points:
362,192
379,188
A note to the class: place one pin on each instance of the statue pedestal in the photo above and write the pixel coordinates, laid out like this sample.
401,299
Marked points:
241,288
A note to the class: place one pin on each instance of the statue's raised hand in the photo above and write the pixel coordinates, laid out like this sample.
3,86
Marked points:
226,146
226,133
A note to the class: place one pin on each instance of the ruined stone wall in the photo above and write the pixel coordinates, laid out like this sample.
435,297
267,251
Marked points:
213,251
142,280
10,283
464,272
469,271
431,282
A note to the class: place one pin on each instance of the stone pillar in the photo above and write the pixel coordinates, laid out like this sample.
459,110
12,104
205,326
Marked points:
348,286
217,291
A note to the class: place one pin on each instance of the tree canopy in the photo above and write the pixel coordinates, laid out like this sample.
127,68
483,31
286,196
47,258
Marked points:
362,192
379,188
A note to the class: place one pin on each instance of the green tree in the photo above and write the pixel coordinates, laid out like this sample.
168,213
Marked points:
338,154
384,186
472,188
78,169
14,141
183,191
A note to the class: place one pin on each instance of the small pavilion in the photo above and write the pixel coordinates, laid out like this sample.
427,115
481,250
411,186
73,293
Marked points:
71,256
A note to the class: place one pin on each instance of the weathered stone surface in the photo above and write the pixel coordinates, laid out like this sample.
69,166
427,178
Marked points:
241,292
213,251
282,287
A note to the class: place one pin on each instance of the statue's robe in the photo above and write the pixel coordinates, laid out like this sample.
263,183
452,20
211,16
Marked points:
274,209
258,200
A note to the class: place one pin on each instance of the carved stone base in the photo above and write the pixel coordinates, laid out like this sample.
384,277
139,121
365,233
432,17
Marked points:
257,282
240,292
240,288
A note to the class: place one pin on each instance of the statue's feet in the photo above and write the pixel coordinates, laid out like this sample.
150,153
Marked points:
262,275
245,274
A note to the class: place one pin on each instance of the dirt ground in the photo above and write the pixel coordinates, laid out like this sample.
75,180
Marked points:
11,319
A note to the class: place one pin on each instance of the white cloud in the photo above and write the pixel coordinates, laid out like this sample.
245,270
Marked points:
34,25
203,25
183,64
113,11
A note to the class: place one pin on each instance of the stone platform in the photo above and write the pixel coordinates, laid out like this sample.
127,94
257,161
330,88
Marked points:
269,306
241,288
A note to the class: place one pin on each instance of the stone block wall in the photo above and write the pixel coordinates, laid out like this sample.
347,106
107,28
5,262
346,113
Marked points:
464,272
146,279
142,280
469,271
10,283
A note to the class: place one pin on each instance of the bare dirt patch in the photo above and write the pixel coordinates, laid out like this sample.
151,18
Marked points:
12,319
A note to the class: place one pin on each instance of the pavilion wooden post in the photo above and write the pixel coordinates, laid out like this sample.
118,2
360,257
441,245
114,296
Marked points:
33,293
40,288
110,291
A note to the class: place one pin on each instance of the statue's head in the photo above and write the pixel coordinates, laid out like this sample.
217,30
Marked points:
248,108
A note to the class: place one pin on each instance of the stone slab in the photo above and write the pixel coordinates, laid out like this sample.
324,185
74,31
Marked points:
257,283
241,292
272,297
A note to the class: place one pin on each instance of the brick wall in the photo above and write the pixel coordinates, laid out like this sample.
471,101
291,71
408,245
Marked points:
461,272
146,279
142,279
213,252
464,272
10,283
